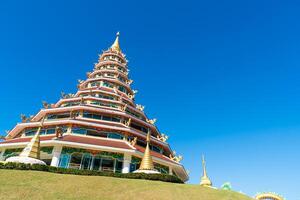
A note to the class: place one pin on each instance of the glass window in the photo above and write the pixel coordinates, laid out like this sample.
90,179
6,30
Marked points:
75,161
86,161
115,136
106,118
30,132
58,116
134,166
91,115
77,130
64,160
96,163
119,166
141,128
68,104
157,149
122,89
95,83
107,84
107,164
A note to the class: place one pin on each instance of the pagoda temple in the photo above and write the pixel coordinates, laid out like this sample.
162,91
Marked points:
100,127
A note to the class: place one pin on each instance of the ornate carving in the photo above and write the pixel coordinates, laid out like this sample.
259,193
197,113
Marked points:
123,107
175,158
23,118
26,119
133,142
81,101
80,81
66,96
127,123
88,74
129,82
151,121
73,114
131,96
47,105
115,90
140,107
163,137
58,132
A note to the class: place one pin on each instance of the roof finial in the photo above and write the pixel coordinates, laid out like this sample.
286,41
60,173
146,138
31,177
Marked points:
116,45
205,181
204,166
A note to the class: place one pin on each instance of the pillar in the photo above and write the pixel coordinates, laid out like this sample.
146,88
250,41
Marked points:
1,154
170,170
126,163
56,156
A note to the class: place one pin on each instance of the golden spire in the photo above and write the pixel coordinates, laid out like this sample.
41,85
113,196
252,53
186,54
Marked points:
205,181
147,162
116,45
32,149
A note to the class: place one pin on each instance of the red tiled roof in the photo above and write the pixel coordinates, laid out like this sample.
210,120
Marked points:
19,140
155,154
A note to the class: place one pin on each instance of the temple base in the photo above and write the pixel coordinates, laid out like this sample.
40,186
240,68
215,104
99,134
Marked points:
25,160
146,171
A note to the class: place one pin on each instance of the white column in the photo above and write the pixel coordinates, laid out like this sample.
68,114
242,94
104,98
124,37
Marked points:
1,154
126,163
170,170
56,155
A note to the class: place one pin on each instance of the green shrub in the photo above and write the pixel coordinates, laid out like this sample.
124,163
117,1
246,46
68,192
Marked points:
46,168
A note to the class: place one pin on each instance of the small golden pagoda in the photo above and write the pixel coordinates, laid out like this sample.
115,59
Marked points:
32,149
147,165
147,162
205,181
31,153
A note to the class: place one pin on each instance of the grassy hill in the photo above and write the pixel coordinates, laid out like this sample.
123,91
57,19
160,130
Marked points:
17,184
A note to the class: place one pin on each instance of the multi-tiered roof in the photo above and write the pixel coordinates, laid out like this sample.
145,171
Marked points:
104,104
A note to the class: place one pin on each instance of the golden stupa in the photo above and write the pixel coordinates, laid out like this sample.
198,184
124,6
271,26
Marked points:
147,162
205,181
116,46
31,153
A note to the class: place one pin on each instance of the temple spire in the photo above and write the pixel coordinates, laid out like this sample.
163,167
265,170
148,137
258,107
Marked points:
147,162
205,181
32,149
116,46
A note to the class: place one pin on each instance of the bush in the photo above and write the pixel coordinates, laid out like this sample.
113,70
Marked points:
46,168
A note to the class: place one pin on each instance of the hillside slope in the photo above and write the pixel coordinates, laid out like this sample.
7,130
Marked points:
43,185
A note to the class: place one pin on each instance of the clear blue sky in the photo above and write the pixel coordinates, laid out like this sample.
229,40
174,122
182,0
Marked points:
222,77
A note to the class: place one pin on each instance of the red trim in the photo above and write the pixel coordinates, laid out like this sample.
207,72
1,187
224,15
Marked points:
94,141
155,154
19,140
77,139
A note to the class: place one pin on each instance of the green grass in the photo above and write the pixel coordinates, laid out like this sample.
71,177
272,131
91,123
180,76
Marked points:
16,184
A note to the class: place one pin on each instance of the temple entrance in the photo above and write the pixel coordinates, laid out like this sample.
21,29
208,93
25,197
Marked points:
108,165
87,161
75,161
